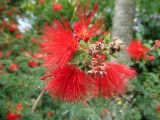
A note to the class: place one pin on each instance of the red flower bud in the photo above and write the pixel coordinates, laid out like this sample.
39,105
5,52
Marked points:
1,54
19,36
1,65
9,13
57,6
32,63
14,9
41,1
5,24
13,116
19,106
8,53
158,108
13,27
50,114
13,67
2,8
1,30
151,58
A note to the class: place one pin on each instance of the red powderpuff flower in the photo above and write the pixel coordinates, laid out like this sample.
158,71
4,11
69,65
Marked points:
57,6
13,116
137,50
59,45
32,63
82,30
69,83
114,81
13,67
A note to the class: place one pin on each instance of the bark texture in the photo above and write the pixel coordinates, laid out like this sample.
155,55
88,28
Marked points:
123,19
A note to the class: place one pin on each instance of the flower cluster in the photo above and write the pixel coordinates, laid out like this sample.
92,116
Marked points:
8,24
77,66
14,66
16,115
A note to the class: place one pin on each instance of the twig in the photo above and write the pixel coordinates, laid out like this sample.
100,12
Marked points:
37,100
140,109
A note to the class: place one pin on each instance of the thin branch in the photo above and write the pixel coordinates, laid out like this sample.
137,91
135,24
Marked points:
37,100
139,108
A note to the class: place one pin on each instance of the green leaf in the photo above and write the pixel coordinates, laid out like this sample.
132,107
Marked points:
83,43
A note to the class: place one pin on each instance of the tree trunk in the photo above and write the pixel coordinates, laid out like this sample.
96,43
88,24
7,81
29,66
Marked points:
124,12
123,19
